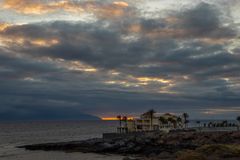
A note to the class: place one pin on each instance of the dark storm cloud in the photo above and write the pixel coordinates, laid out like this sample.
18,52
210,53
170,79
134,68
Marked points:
204,20
85,42
183,61
29,31
12,67
90,42
30,99
107,101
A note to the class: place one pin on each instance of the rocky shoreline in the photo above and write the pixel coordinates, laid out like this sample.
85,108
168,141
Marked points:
157,145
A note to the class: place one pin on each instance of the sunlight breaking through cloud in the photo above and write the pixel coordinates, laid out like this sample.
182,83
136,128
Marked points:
110,56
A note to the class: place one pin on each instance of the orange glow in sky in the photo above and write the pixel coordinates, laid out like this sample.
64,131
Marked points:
121,4
114,118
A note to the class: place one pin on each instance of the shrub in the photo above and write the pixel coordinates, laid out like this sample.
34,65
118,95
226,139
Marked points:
220,150
190,155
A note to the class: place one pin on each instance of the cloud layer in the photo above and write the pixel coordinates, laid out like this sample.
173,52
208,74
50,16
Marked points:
120,57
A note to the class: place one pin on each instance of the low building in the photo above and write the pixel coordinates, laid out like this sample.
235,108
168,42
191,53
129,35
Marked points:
149,121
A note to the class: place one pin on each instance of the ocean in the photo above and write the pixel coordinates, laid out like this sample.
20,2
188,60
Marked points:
14,134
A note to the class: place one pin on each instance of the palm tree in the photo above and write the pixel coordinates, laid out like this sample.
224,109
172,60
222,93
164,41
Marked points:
162,120
198,122
185,116
204,125
210,124
150,113
172,121
125,121
238,119
119,117
186,123
179,121
224,123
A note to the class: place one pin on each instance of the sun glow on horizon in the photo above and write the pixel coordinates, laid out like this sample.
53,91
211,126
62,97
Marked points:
114,118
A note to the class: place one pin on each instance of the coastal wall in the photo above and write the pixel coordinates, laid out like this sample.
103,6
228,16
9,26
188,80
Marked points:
196,129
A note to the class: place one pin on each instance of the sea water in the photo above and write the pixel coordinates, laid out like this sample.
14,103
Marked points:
14,134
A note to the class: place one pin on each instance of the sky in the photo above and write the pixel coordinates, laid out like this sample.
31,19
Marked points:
106,57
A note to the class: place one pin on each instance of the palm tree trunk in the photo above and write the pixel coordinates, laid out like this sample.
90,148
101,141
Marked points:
120,125
151,122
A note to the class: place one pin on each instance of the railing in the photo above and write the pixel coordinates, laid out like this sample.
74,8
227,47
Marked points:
122,129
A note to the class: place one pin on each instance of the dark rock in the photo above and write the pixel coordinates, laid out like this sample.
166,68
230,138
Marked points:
157,143
130,158
165,155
